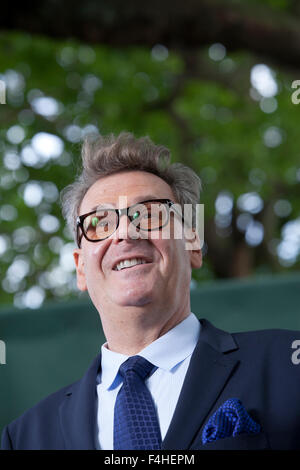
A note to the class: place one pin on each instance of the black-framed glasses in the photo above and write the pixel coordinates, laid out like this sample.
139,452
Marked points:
101,223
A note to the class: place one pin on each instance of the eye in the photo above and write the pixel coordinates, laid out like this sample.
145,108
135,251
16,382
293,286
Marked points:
95,221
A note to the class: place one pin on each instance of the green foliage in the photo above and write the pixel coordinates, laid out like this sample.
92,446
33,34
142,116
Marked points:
213,125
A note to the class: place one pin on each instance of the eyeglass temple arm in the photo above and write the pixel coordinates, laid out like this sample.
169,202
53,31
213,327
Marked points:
78,236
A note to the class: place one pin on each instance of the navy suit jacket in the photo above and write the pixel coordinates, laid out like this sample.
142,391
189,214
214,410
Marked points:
255,367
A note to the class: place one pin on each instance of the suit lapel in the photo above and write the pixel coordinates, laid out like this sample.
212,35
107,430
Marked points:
78,412
208,372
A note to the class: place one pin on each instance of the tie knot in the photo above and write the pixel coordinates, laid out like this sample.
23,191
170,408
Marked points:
137,364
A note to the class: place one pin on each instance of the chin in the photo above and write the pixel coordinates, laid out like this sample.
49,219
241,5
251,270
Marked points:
133,299
135,302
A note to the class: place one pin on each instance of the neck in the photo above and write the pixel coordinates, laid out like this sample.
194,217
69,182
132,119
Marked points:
134,329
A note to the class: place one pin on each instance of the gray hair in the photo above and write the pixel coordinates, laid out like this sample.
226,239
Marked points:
105,155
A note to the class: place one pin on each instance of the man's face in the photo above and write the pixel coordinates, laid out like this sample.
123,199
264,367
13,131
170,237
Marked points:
165,277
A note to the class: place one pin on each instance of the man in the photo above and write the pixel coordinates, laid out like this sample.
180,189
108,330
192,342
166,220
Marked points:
163,379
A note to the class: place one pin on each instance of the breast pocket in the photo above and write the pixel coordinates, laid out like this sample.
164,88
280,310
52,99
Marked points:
241,442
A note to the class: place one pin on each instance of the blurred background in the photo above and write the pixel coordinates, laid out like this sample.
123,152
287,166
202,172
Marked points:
211,80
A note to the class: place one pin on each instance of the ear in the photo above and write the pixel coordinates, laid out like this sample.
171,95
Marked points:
196,259
193,245
78,258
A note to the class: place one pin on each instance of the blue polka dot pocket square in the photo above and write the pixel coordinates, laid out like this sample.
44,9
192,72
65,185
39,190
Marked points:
230,420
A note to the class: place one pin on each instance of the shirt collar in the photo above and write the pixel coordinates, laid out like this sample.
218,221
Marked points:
165,352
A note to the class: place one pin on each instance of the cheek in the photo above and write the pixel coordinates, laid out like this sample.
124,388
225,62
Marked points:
93,255
180,260
173,256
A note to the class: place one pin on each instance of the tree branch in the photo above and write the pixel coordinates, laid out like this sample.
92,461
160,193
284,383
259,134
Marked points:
190,24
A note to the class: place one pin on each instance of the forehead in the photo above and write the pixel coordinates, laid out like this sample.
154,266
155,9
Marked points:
134,185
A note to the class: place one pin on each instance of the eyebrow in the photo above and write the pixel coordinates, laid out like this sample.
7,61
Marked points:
137,200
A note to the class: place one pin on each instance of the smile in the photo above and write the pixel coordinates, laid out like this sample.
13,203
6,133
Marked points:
129,263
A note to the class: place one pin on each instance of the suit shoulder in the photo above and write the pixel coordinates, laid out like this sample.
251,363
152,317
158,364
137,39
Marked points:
267,340
39,427
270,333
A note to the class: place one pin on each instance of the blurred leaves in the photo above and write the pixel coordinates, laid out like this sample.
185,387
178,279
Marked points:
205,111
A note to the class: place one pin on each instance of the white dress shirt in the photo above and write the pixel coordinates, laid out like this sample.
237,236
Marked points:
171,353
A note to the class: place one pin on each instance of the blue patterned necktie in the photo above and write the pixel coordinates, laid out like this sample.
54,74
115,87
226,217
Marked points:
136,425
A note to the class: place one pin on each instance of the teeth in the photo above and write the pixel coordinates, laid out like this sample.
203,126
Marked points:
127,263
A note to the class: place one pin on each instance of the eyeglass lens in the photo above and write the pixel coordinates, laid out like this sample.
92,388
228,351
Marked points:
145,216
